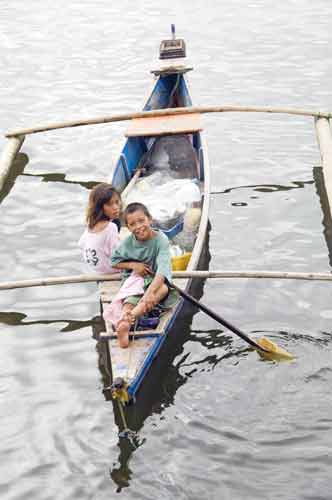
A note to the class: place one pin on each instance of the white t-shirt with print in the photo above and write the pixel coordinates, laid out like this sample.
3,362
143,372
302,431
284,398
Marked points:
98,248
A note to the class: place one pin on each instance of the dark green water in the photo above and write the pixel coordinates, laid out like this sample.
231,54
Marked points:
216,421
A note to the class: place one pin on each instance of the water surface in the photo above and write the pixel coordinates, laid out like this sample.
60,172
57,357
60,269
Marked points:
219,422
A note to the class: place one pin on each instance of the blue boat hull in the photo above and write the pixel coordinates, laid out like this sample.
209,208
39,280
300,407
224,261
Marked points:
169,91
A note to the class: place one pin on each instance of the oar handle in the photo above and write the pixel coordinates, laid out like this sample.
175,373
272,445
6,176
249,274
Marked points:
215,316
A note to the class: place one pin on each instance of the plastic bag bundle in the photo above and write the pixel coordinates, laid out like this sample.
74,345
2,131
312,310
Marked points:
165,197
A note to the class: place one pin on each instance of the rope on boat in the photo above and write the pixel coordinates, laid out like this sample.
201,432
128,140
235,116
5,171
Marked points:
120,394
126,432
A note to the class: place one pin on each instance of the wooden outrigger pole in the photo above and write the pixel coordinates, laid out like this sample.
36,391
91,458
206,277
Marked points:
166,112
91,278
16,137
8,156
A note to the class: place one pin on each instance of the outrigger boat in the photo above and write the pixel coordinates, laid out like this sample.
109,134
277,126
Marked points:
158,136
182,137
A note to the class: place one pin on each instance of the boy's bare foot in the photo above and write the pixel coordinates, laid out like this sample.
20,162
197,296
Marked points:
130,317
122,331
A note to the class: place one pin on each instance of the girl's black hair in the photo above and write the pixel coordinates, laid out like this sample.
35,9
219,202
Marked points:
99,195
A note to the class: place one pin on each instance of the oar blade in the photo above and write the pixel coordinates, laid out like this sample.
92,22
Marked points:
274,351
268,349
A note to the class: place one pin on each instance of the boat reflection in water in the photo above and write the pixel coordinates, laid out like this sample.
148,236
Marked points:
158,388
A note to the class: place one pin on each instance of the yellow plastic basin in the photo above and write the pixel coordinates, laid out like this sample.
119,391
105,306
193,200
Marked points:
180,263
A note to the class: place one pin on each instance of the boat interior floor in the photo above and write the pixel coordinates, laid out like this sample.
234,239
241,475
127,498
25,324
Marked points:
174,155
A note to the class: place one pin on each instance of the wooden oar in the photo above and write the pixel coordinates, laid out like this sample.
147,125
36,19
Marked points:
264,346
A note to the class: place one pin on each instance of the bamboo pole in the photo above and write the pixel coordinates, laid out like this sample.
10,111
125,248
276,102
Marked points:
60,280
165,112
324,138
90,278
8,156
253,274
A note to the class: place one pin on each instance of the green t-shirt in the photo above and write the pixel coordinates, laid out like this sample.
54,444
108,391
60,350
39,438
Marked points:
154,252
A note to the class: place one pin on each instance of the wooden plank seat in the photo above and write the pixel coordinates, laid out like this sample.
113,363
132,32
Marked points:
165,125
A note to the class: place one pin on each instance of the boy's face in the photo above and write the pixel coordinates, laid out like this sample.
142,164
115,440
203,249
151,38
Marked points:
140,225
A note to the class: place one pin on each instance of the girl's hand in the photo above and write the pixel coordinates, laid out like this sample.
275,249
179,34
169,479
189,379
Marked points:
141,268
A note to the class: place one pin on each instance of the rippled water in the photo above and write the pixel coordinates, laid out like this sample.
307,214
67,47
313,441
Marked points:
218,422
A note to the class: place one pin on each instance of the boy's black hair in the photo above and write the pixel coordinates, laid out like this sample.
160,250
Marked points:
134,207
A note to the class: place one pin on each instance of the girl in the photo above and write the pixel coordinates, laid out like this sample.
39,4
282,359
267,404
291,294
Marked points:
101,236
143,252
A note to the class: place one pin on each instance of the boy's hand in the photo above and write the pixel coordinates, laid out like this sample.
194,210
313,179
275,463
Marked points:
149,301
141,268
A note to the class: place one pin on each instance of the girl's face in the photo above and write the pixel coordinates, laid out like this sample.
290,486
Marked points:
140,225
112,207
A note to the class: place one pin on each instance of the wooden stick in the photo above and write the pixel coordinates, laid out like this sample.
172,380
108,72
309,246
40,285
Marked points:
130,184
8,156
89,278
165,112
